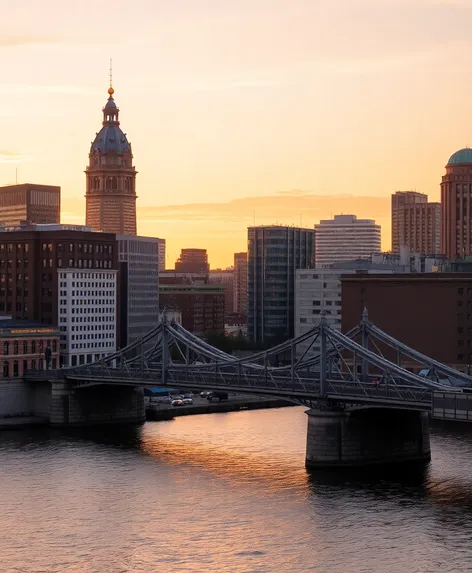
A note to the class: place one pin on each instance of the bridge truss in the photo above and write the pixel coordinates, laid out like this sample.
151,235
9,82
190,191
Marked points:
323,366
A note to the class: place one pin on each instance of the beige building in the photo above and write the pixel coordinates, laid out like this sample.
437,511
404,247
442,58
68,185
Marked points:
27,202
415,223
240,283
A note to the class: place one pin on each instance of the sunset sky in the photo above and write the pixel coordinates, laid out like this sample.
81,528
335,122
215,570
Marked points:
238,111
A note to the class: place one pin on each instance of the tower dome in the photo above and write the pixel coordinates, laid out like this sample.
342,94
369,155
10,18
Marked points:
461,157
110,137
111,176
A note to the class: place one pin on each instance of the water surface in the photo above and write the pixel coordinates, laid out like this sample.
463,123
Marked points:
225,492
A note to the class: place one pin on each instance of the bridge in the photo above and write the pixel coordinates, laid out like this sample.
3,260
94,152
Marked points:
364,374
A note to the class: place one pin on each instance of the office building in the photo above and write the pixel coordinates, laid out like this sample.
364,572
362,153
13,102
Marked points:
415,223
138,259
429,312
30,258
201,304
240,283
274,254
225,277
456,209
162,255
345,238
111,177
318,291
192,261
87,314
29,203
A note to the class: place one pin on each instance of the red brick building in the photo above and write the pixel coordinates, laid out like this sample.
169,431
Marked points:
29,264
24,345
202,305
430,312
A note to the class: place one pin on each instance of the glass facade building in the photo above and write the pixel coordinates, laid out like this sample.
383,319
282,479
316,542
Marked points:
274,254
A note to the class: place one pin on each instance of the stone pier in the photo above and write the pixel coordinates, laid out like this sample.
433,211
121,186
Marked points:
366,436
95,405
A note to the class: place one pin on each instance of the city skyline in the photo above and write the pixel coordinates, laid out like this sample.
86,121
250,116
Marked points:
218,124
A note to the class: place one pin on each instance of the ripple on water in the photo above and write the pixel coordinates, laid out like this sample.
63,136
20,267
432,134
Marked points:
224,493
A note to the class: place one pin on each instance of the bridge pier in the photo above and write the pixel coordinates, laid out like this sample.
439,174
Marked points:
366,436
95,405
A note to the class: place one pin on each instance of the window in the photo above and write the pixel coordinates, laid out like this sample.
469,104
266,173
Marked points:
25,366
33,346
33,365
25,347
6,369
15,347
54,345
15,368
6,348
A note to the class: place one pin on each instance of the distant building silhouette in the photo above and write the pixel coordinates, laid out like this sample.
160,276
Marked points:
192,261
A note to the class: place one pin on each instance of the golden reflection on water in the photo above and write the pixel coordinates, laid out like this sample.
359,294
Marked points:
276,473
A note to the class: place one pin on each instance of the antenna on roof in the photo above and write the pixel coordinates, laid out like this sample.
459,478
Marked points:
111,73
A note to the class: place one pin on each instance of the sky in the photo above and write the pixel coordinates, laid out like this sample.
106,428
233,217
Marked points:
239,111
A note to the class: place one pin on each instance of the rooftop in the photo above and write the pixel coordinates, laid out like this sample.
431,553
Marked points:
463,156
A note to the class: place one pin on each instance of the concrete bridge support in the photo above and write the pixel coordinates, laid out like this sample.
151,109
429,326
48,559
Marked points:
366,436
95,405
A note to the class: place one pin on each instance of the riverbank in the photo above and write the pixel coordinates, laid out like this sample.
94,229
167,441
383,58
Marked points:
160,412
21,422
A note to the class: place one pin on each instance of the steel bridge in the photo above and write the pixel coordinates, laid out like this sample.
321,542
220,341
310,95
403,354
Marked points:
364,366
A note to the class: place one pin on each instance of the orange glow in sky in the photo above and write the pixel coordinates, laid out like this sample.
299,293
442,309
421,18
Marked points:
239,111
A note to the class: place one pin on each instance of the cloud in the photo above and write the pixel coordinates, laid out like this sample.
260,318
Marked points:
293,193
12,157
12,41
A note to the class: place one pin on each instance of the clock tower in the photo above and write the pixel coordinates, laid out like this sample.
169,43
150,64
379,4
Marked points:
111,177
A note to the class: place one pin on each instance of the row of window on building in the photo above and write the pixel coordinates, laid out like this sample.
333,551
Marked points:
28,347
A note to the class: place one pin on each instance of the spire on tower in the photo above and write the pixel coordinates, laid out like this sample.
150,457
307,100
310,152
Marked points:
111,91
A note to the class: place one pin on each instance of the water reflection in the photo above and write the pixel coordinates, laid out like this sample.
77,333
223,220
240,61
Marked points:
226,493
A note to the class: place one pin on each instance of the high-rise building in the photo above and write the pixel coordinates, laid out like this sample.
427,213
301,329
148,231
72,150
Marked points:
224,277
415,223
111,177
345,238
138,297
87,314
456,206
162,255
192,261
240,283
30,203
274,254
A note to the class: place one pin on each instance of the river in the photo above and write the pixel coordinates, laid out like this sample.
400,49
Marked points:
225,493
